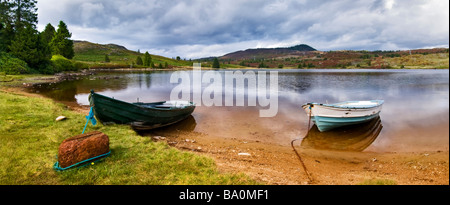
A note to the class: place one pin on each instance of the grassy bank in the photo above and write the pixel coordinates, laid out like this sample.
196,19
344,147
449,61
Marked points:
30,137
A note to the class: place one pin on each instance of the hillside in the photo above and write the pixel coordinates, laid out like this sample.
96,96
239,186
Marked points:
304,56
94,55
261,53
299,56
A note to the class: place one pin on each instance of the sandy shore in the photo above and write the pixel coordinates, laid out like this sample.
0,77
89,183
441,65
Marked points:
276,163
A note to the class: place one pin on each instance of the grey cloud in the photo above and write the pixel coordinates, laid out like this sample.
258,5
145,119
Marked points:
225,26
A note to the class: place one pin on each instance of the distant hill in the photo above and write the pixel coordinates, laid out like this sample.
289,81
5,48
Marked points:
120,56
302,47
86,47
291,58
260,53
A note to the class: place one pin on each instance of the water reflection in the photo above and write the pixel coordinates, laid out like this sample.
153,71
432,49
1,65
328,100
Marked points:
412,98
186,125
349,138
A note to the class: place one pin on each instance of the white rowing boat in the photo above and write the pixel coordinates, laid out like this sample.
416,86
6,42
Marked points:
330,116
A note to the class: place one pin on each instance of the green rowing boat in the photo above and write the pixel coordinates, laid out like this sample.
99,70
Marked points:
141,116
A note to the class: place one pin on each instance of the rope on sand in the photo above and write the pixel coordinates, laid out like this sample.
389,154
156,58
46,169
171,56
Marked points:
298,155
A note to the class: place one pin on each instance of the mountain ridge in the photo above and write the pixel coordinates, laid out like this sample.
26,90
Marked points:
258,53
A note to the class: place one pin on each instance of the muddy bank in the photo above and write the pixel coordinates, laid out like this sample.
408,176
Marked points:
278,164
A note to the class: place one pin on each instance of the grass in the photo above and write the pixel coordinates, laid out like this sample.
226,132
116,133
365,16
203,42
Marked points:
30,137
94,55
378,182
18,80
419,61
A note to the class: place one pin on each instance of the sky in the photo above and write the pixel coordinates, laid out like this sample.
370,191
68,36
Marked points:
203,28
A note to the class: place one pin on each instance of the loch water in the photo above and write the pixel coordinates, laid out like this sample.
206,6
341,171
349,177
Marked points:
414,117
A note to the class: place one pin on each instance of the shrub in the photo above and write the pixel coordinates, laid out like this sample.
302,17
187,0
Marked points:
80,66
60,63
107,60
11,65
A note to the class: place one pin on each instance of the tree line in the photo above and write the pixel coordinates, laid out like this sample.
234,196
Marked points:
148,62
24,49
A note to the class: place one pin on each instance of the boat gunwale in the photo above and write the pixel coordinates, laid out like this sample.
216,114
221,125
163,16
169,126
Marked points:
378,104
137,104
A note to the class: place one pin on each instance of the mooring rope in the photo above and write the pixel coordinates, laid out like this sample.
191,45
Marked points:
298,155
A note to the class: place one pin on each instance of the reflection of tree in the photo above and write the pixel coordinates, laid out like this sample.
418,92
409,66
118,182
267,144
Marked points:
111,81
148,80
349,138
58,91
101,83
140,80
67,90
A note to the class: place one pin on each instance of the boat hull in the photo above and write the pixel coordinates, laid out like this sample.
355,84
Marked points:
329,123
350,138
108,110
330,116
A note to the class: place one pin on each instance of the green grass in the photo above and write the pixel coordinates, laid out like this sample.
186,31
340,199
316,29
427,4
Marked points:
18,80
94,55
419,61
378,182
30,137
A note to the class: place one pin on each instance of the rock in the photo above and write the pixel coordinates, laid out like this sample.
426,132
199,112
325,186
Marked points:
59,118
157,138
244,154
81,147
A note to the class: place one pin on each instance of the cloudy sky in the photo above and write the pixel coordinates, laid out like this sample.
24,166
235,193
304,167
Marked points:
202,28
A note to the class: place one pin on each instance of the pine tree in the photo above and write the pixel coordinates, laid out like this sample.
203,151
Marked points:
25,13
147,59
216,63
107,58
2,37
3,22
29,47
48,33
262,65
61,43
15,15
139,61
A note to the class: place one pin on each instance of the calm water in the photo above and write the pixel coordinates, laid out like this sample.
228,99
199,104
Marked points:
415,115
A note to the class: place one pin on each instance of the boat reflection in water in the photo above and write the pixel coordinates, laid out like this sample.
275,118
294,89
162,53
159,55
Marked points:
348,138
186,125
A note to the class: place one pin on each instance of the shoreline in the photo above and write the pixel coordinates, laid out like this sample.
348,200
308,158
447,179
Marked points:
277,164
